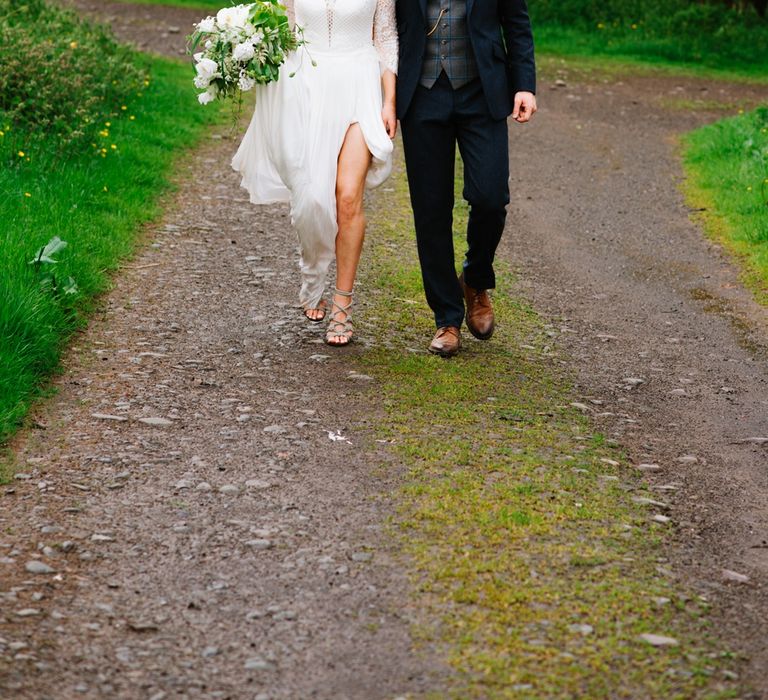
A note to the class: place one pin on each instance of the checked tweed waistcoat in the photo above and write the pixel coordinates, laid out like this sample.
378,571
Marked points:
448,47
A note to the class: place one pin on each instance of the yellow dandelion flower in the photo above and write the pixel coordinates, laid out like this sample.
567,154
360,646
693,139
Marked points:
21,154
103,155
600,25
113,147
749,189
105,189
146,82
72,44
123,107
634,26
132,118
107,124
741,111
27,194
2,133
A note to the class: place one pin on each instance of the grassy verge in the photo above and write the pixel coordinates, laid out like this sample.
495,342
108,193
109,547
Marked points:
96,202
632,52
537,565
206,6
726,165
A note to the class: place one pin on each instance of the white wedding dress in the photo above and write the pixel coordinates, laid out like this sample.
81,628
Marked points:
290,150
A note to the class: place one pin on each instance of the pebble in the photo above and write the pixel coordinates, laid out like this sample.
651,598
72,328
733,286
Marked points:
360,377
38,567
581,629
734,576
229,489
257,664
659,640
612,462
634,381
361,556
109,416
96,537
203,486
660,519
184,484
257,484
688,459
275,429
644,501
156,421
647,467
259,544
21,476
27,612
581,406
208,652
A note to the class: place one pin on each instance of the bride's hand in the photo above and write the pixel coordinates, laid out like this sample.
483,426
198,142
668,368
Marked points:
389,117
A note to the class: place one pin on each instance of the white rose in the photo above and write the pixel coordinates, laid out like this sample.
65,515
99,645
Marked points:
206,25
206,69
201,82
246,83
243,52
208,96
233,17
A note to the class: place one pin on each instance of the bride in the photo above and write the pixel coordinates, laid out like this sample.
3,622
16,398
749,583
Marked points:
323,133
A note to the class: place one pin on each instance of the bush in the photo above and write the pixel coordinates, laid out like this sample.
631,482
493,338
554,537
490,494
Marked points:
61,76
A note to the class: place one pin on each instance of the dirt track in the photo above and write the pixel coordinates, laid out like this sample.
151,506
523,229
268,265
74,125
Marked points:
603,243
276,577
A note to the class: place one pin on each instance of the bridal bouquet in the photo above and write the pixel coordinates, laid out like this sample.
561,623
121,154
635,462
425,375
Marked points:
243,46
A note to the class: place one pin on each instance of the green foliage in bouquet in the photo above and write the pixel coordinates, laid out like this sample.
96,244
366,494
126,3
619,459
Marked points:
242,46
62,76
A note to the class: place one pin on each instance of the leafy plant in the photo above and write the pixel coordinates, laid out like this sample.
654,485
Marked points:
43,263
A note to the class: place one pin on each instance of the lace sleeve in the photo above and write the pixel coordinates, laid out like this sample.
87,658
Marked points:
385,35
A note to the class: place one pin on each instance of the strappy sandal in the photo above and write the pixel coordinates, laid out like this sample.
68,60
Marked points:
320,307
337,329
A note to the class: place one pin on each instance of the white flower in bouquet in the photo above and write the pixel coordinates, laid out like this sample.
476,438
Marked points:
243,52
206,25
201,82
246,83
233,17
206,69
208,96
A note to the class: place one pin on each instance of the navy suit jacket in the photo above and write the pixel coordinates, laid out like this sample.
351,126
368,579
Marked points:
501,38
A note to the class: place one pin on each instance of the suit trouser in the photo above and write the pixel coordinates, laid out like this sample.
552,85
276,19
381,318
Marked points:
437,119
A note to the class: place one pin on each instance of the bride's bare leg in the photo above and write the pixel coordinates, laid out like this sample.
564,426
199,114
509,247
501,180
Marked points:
354,160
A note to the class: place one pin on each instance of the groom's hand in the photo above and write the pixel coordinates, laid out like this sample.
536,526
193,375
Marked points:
525,107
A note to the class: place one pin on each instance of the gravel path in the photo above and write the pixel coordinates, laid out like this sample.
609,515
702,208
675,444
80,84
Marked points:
184,527
604,243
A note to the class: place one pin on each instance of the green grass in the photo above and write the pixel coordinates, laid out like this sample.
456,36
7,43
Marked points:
726,166
97,205
516,527
633,50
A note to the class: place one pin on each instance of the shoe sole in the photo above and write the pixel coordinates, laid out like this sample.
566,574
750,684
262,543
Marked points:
481,336
441,353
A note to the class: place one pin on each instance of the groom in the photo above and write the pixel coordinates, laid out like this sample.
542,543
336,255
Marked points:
465,65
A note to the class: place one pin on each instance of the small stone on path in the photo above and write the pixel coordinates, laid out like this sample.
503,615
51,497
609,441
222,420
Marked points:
38,567
108,416
155,421
258,664
659,640
734,576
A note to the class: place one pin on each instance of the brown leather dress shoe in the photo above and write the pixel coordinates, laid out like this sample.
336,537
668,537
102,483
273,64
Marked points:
446,342
480,319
